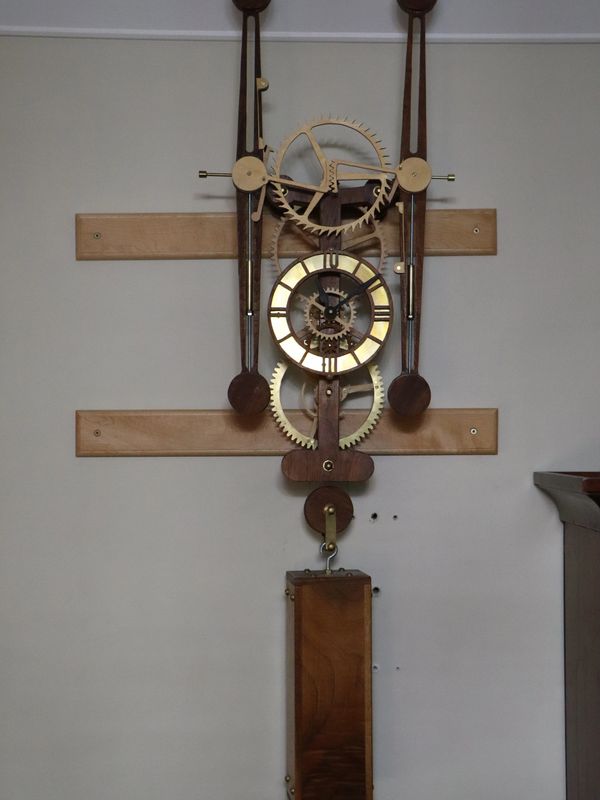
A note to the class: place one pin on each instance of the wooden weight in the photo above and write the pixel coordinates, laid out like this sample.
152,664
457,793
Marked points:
329,686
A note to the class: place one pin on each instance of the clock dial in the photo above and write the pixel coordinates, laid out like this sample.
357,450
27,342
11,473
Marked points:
330,313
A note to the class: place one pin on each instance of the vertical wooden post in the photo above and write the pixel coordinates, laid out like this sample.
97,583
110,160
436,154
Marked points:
329,686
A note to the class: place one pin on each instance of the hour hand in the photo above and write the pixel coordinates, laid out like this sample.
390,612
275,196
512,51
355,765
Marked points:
323,296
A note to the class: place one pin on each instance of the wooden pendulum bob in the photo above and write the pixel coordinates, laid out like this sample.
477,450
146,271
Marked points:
249,391
409,393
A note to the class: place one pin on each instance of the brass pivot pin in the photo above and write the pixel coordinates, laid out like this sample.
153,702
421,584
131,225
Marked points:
204,174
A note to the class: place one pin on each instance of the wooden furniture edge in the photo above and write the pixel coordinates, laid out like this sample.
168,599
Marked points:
575,494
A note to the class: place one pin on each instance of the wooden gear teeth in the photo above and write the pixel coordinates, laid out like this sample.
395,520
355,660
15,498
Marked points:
328,183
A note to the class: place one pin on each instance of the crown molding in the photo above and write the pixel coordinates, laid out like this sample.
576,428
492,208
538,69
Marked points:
295,36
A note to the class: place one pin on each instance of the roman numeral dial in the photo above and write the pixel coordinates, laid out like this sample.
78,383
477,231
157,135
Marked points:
330,320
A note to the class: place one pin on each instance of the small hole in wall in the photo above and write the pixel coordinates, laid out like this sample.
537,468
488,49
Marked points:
395,516
374,516
376,590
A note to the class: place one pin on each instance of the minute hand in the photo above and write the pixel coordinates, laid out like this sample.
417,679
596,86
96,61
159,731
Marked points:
354,293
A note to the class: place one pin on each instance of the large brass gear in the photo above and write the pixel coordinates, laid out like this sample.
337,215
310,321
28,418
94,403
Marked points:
309,440
370,235
330,177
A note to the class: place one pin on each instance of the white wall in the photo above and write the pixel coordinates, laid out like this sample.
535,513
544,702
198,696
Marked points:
336,19
141,607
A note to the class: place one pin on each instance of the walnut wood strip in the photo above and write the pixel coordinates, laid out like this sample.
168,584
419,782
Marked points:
110,237
329,667
440,431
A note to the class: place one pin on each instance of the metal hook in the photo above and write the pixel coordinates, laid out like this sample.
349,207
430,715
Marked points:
331,554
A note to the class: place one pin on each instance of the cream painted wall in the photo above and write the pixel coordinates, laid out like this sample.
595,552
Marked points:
311,19
141,608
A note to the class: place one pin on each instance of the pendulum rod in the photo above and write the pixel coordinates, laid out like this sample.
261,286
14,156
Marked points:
249,269
249,392
409,394
409,364
412,282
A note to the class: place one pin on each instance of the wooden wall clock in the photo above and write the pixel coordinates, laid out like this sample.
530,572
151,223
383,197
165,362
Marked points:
334,205
331,312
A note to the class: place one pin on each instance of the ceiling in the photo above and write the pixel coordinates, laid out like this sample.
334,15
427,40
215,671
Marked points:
369,20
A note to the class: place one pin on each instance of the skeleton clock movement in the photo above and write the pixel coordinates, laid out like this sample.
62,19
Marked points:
331,313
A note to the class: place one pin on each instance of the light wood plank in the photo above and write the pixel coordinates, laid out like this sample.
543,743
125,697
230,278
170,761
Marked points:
110,237
440,431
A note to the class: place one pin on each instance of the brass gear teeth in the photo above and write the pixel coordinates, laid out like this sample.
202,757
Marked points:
369,213
279,414
374,414
347,323
310,443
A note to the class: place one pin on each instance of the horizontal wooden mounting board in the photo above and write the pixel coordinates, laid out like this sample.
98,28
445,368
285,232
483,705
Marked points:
111,237
440,431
